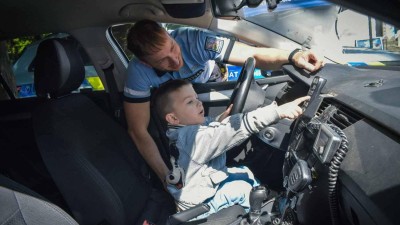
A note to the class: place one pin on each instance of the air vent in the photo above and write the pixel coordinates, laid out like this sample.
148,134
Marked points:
344,117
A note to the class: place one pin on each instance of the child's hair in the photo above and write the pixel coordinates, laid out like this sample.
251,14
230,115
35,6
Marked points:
162,101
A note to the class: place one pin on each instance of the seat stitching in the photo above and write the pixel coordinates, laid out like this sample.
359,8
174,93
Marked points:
16,211
92,172
48,205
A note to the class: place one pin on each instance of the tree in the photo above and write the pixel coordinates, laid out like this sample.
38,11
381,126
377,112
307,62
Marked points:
17,45
6,73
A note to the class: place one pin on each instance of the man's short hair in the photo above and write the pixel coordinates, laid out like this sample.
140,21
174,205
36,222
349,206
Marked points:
145,37
162,100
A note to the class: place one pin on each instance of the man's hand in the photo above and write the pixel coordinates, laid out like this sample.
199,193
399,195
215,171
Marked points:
308,60
291,110
225,114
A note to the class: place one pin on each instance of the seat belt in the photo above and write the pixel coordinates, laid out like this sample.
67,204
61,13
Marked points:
115,99
7,88
176,174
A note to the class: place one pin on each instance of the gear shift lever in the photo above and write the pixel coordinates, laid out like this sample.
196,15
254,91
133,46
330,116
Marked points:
257,196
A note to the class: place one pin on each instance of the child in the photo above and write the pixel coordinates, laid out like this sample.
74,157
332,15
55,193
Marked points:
201,144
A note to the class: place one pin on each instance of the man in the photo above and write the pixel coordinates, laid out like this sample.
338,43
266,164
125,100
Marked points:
190,54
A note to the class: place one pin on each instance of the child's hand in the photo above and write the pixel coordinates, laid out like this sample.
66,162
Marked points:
291,110
225,114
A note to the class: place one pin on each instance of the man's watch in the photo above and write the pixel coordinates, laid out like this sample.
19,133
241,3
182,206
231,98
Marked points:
290,58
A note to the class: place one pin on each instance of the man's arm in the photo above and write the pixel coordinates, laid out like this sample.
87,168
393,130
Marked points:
272,58
138,117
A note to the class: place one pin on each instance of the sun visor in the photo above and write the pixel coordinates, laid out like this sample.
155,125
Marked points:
139,10
184,9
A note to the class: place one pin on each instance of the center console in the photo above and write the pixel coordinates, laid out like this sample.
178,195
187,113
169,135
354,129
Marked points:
310,169
315,149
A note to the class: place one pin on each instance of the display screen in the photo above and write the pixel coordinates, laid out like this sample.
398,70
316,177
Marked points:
321,142
326,144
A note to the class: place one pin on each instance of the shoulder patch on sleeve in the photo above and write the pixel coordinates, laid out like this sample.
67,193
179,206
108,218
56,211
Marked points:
214,44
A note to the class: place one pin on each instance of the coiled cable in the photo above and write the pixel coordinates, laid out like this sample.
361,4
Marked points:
334,173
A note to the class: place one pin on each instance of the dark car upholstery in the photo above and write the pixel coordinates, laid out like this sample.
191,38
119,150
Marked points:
20,205
89,155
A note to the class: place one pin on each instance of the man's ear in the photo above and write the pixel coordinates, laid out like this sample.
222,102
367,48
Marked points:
172,119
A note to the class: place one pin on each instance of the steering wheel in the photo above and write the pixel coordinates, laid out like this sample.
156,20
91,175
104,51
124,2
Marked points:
242,87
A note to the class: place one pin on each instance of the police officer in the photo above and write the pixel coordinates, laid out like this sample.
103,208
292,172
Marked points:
186,53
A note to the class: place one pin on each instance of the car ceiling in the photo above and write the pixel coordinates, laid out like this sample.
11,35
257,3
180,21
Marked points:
27,17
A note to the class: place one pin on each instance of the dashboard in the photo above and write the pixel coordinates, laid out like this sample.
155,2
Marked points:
343,153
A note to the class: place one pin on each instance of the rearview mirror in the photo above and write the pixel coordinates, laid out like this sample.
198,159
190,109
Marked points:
229,8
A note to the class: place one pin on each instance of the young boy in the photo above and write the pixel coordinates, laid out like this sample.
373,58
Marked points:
202,142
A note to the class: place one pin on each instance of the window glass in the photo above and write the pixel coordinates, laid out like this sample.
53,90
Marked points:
341,34
22,52
119,32
7,81
231,72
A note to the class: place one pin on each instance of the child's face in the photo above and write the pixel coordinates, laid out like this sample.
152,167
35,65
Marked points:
187,108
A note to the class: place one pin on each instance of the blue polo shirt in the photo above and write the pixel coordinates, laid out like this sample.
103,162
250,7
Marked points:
199,48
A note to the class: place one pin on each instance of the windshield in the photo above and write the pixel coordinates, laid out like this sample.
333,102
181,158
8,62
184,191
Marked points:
342,35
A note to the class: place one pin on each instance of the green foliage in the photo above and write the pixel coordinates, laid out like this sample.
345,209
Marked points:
119,32
17,45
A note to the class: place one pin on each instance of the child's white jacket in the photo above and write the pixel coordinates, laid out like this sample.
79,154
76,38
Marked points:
202,151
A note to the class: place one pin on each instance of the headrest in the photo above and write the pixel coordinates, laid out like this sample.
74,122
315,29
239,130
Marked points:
59,68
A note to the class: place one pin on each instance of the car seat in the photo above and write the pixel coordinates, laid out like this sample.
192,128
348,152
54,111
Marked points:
20,205
91,158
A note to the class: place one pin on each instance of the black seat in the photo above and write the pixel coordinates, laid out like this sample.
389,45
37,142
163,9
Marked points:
20,205
91,157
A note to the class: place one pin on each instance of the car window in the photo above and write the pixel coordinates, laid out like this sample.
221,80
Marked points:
330,29
7,81
231,71
119,32
22,52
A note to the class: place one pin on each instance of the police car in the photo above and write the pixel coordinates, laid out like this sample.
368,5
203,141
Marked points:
66,156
